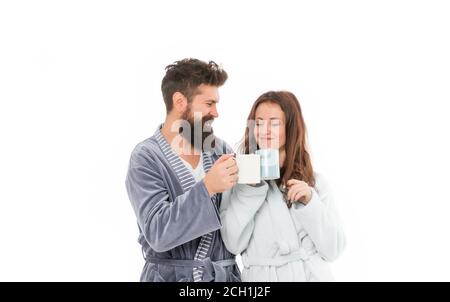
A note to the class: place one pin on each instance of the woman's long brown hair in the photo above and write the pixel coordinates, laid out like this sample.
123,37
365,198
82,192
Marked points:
297,164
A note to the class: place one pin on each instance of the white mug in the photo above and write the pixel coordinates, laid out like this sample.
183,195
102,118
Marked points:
249,168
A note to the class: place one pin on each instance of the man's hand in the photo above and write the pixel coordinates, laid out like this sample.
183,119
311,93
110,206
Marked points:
222,176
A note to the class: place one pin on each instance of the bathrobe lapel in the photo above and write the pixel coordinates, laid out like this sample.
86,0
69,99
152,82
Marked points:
187,181
286,235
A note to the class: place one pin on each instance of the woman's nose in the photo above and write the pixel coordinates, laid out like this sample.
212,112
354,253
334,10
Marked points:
266,129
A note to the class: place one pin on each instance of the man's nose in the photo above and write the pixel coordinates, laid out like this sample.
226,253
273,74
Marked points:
214,113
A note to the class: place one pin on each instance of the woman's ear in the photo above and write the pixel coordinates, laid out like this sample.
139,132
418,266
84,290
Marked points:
179,102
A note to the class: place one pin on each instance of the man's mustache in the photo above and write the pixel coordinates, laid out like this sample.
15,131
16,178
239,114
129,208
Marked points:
206,123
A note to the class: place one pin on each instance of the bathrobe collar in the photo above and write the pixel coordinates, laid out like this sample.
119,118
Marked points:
187,182
283,226
184,175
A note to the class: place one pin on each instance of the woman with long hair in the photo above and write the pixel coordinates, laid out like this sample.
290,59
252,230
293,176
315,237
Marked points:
285,229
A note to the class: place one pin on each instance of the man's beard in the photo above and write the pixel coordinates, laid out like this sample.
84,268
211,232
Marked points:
198,131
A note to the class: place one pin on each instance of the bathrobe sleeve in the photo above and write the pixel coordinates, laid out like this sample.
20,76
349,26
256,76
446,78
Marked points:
166,224
319,218
237,211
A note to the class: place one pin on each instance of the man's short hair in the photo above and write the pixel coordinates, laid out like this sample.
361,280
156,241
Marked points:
186,75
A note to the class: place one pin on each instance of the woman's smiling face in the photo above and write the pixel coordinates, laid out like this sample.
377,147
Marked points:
270,126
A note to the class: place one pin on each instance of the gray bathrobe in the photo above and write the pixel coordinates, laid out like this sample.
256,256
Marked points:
178,221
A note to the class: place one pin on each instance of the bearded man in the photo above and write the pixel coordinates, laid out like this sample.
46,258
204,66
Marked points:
176,177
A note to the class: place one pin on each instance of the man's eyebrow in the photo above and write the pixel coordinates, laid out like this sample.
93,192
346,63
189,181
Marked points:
213,101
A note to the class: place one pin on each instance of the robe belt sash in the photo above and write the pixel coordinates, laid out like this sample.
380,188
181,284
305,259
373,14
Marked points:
297,255
212,270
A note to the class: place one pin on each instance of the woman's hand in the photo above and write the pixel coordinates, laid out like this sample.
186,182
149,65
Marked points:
298,191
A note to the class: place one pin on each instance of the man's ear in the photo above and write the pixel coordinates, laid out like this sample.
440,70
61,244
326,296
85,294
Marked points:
179,102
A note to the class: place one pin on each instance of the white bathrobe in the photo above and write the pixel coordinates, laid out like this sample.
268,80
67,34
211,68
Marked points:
278,243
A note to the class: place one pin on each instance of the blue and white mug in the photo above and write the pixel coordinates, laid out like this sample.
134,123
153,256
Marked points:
269,163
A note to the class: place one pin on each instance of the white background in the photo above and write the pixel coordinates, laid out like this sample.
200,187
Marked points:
80,87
